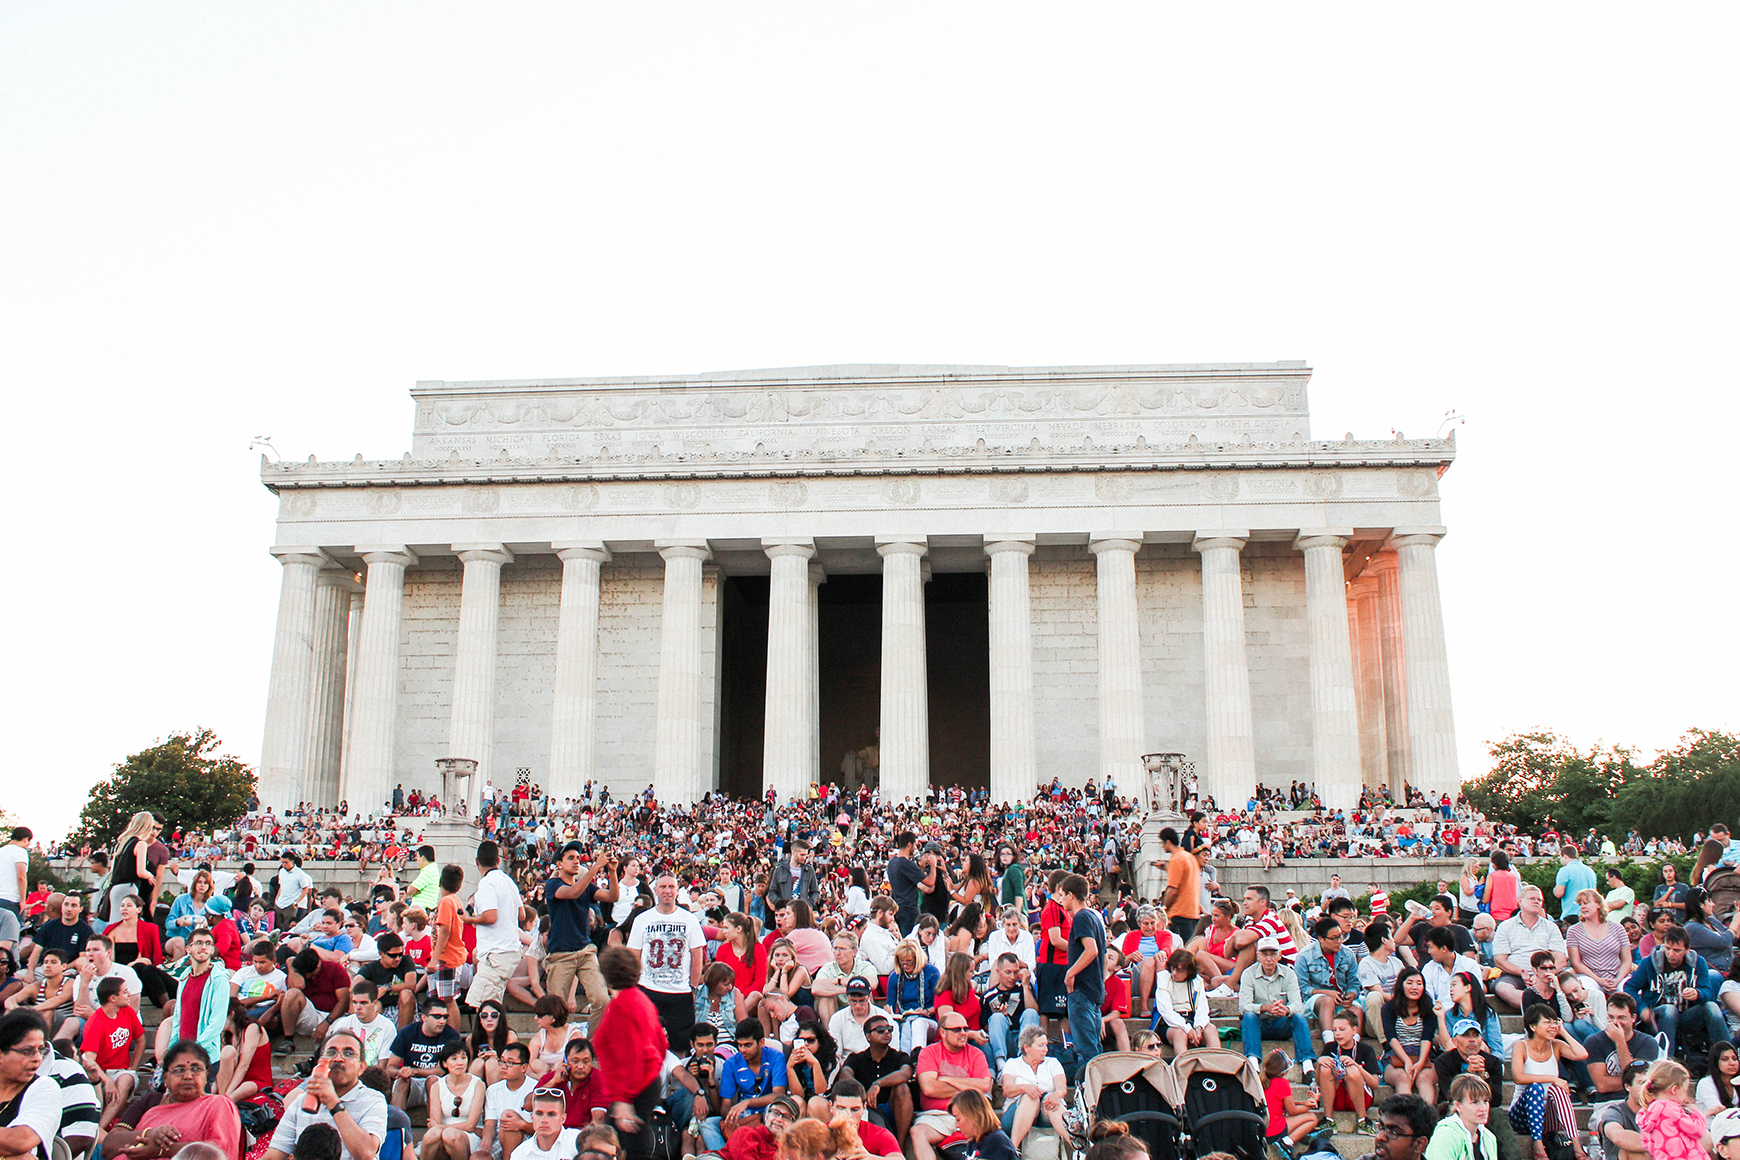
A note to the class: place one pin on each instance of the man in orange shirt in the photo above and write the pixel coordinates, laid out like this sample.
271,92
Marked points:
1183,896
450,950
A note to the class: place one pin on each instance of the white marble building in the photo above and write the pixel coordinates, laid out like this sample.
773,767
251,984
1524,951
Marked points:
730,580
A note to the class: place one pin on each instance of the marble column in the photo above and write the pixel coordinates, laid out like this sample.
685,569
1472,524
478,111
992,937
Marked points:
905,707
1334,701
574,716
1123,729
375,704
1384,569
1014,750
677,772
788,748
1431,729
1368,658
471,728
353,637
818,576
332,596
1231,773
284,748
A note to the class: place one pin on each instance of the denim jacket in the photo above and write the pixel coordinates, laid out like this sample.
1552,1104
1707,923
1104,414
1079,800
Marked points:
1317,972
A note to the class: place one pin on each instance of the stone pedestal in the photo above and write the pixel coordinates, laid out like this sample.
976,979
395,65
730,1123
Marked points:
455,841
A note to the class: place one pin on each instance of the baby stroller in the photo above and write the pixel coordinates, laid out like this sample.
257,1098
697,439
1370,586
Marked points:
1221,1094
1138,1089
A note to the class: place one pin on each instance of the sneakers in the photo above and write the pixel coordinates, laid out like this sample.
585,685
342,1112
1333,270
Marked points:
306,1067
1221,992
1284,1146
1365,1127
284,1047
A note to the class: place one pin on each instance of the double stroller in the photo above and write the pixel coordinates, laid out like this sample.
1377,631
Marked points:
1210,1100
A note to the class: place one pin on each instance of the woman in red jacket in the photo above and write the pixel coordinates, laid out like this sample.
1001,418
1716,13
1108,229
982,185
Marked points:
630,1044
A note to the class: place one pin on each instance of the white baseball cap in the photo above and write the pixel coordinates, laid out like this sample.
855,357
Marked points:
1725,1126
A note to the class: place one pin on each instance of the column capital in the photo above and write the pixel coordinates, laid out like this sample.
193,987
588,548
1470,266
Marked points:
818,572
386,554
1024,544
581,550
683,549
338,578
491,553
1113,542
1412,537
890,546
1234,539
804,548
297,555
1336,538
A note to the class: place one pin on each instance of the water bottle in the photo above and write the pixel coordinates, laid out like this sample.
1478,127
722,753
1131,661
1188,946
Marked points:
309,1103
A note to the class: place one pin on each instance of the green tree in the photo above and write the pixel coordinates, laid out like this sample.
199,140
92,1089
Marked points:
1684,789
1536,776
182,778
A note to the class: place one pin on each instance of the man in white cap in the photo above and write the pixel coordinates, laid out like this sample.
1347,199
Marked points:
1270,1005
1725,1133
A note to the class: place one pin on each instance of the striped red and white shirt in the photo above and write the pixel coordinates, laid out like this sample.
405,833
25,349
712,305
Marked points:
1270,925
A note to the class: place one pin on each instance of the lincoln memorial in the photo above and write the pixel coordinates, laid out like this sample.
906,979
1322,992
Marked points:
911,575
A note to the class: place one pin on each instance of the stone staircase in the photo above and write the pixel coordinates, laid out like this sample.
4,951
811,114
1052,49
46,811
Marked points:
1223,1011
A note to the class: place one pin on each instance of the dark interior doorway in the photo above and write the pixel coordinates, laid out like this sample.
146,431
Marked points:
957,645
742,683
957,640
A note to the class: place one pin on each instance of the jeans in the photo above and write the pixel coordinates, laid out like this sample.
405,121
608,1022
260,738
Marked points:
1084,1029
1668,1018
1005,1035
1580,1030
1253,1028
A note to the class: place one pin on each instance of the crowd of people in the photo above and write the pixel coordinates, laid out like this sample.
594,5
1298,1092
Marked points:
845,976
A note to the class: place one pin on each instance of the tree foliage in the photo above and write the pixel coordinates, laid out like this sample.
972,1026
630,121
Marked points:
1541,776
183,778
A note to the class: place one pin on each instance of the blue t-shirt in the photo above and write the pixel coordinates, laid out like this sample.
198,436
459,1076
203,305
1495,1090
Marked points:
1573,876
338,942
738,1082
570,918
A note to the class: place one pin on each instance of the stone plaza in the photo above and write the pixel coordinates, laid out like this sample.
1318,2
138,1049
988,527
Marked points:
910,575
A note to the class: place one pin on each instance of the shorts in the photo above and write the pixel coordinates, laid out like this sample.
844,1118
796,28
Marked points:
943,1122
1343,1104
444,983
418,1094
494,969
309,1019
1053,998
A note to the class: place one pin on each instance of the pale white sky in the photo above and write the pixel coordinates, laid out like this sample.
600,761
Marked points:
220,220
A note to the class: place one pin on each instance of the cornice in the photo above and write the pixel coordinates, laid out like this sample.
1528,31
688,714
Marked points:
979,459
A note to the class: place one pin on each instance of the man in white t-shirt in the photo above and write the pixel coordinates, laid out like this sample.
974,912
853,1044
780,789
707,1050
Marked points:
549,1139
504,1105
671,946
260,983
95,965
365,1021
495,912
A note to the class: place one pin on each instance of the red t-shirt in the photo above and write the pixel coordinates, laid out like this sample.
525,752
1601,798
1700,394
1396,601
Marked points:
323,986
420,949
1052,918
582,1098
879,1141
111,1040
967,1005
187,1003
967,1063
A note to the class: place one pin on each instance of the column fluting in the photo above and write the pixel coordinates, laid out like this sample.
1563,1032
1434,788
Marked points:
788,747
1385,569
1231,774
1334,700
1374,756
1014,749
677,773
284,761
905,704
375,706
574,714
1431,727
1123,729
471,729
325,742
